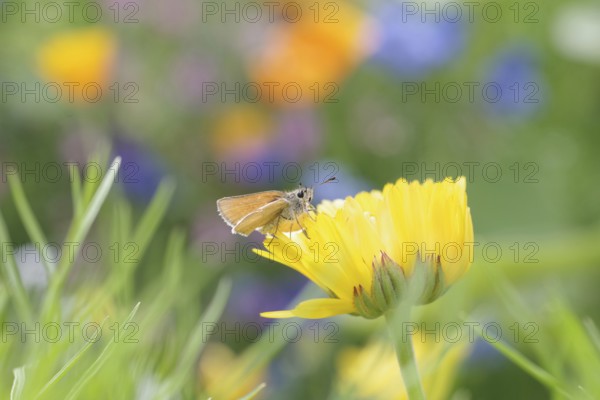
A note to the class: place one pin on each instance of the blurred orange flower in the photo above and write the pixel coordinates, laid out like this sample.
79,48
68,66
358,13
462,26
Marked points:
306,55
78,60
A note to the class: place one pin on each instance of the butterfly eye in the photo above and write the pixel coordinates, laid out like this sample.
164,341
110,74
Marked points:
300,194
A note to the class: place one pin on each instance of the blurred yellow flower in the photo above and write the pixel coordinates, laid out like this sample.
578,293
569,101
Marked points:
373,373
363,251
78,59
217,363
309,52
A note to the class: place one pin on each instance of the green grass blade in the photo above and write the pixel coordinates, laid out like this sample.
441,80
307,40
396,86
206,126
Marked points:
18,383
76,195
77,233
593,332
145,230
99,158
82,229
254,392
72,361
29,221
169,281
538,373
153,215
196,341
102,358
14,284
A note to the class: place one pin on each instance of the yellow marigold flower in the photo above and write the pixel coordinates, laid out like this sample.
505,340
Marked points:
306,56
78,58
363,251
373,373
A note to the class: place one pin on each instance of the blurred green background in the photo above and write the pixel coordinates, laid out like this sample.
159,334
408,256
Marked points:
222,98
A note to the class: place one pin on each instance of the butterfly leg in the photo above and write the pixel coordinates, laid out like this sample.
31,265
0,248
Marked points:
301,227
275,231
312,208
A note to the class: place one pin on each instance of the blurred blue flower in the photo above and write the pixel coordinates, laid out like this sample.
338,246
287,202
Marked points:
141,170
345,185
514,87
484,356
414,43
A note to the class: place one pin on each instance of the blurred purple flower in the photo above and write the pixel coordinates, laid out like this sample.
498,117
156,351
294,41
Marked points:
252,295
81,142
298,135
176,18
208,227
414,43
141,170
189,73
514,83
263,147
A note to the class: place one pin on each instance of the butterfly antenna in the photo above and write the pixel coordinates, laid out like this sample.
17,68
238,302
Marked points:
332,179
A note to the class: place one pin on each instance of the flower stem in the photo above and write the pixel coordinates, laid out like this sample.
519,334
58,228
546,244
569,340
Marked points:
405,355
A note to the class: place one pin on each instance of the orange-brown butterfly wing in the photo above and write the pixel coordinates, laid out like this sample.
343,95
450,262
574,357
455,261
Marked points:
261,217
233,209
289,225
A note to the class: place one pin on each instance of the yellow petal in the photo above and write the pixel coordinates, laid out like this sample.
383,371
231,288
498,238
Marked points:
314,308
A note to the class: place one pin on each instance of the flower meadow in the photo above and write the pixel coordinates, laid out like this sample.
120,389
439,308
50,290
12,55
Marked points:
426,170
